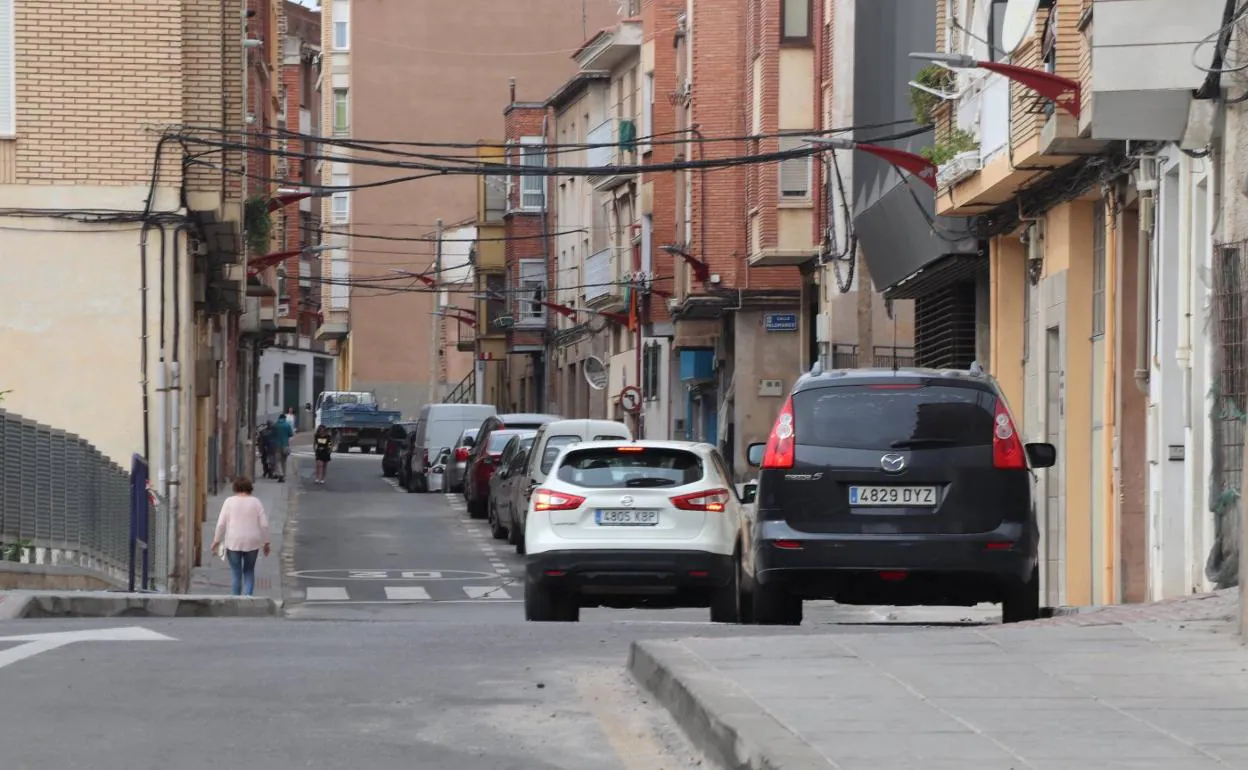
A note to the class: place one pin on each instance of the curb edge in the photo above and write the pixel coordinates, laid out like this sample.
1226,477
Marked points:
729,726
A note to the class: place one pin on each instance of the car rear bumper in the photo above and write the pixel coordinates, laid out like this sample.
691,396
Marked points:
630,571
1006,553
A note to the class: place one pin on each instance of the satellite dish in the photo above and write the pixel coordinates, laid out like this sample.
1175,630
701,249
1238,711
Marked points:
595,373
1020,18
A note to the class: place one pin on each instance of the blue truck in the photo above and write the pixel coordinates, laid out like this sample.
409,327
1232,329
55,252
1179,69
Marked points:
355,419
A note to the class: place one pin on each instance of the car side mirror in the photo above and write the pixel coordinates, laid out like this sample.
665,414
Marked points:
1041,455
754,454
749,492
307,407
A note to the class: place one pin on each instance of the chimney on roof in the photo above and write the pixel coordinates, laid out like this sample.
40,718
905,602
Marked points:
511,83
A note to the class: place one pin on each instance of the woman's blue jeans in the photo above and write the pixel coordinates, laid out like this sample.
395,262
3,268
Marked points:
243,567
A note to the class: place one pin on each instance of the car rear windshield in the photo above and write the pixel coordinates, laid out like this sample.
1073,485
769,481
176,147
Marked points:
499,439
894,416
630,467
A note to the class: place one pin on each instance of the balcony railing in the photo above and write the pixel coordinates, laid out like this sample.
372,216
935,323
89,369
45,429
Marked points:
604,134
845,356
598,275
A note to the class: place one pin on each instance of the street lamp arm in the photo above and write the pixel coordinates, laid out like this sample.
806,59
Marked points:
1062,91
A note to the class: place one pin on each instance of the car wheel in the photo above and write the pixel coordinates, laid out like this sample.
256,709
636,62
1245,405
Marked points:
725,601
1022,600
515,536
775,606
497,531
545,605
476,509
410,486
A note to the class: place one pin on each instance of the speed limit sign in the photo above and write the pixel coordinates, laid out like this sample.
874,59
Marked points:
630,399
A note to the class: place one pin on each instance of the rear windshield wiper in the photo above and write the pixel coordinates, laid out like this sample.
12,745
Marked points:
921,443
649,483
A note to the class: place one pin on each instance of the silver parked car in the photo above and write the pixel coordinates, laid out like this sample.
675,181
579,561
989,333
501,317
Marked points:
454,478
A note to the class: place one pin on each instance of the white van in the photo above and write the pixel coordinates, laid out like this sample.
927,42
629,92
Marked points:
551,439
439,427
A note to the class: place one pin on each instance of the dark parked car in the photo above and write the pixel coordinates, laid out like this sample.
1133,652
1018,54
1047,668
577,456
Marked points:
477,456
909,487
481,466
394,446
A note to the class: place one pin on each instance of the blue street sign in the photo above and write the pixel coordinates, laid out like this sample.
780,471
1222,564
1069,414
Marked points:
780,322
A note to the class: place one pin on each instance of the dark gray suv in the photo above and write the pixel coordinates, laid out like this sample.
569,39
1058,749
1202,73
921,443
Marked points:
907,487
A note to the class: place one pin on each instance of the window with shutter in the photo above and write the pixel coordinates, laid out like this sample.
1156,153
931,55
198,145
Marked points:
531,292
532,187
795,172
8,71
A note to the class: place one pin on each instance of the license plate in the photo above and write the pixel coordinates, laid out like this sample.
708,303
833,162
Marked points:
893,496
626,517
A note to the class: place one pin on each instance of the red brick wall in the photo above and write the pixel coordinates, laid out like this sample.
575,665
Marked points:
719,202
659,25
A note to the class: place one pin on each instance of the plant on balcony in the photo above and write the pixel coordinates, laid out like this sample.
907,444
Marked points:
957,142
922,103
258,224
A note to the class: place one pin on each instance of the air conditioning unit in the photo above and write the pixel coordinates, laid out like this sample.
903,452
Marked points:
283,310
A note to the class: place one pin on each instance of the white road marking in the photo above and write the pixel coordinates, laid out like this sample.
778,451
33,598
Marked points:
493,593
433,601
37,643
406,593
327,593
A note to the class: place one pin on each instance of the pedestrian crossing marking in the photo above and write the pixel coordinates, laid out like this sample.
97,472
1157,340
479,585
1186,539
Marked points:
394,593
406,593
485,592
327,593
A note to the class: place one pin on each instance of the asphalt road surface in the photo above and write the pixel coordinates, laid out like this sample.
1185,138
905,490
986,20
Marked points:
405,647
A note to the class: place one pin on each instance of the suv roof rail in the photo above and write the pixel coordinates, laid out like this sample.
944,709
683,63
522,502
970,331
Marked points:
976,369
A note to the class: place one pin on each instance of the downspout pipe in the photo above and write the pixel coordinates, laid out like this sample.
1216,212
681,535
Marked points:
1183,350
1146,183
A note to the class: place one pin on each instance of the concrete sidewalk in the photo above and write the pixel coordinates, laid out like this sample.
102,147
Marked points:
1142,687
279,503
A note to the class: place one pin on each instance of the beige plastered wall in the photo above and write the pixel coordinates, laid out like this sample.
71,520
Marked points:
70,330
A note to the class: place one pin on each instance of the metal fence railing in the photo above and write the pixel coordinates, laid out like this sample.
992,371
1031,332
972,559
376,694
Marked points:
62,502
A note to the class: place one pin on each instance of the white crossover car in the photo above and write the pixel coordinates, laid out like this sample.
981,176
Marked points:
633,524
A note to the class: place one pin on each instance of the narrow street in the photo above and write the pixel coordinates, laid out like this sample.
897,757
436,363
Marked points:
372,667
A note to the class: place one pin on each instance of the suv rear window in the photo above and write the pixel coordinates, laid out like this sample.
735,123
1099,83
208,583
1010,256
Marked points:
893,417
555,445
499,439
630,467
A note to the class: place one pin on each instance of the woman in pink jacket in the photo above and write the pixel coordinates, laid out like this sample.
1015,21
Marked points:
242,530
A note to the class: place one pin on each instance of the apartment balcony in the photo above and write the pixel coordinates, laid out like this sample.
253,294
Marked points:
1144,57
603,291
611,47
997,136
619,148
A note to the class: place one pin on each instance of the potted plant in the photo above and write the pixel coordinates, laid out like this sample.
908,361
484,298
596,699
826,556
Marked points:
922,103
957,144
258,224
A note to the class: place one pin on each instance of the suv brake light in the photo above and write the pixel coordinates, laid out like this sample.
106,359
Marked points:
549,500
461,454
1007,447
780,445
714,501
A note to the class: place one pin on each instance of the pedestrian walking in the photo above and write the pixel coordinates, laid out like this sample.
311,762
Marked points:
242,531
265,440
321,444
281,447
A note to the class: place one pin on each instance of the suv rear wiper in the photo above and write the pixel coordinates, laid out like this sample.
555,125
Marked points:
920,443
648,482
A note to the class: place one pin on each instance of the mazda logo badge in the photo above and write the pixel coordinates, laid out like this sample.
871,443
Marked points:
626,501
893,463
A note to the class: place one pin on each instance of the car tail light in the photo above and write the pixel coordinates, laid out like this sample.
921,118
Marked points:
424,457
713,501
631,449
461,454
780,445
1007,447
549,500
